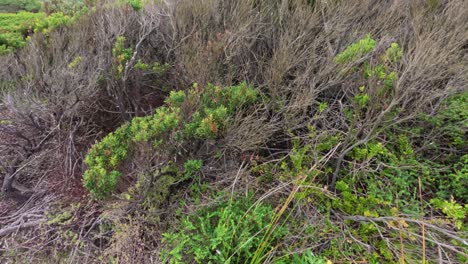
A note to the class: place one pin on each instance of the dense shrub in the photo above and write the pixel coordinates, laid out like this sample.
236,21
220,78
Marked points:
16,28
201,113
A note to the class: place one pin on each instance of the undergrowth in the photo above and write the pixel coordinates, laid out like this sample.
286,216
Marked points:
230,232
244,131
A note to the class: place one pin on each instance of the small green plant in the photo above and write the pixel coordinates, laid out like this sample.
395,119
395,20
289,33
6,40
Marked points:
306,257
191,167
155,67
75,62
394,53
217,105
379,75
356,50
60,218
298,156
137,5
361,99
227,233
121,55
322,107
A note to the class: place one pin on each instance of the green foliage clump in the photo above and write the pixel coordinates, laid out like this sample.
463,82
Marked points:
121,55
176,98
369,151
102,175
137,5
447,171
15,27
217,105
75,62
394,53
452,209
51,22
227,233
355,204
144,129
196,115
60,218
381,76
191,167
356,50
10,6
155,67
362,99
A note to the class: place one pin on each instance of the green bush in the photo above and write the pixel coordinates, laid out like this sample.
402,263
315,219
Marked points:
51,22
198,114
15,28
356,50
227,233
103,159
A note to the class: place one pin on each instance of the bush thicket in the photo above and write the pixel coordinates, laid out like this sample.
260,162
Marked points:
244,131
